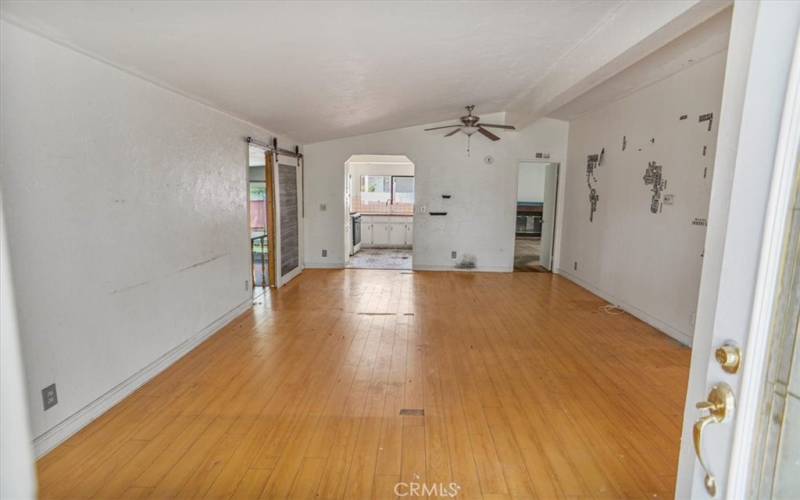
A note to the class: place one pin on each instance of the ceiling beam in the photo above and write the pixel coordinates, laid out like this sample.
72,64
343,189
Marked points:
627,35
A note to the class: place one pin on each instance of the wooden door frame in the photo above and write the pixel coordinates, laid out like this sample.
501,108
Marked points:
556,219
269,176
776,231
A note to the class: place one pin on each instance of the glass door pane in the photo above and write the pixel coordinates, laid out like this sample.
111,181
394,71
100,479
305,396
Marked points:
258,232
776,471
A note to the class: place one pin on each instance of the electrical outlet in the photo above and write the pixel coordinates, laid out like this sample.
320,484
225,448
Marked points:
575,265
453,254
49,397
323,207
246,285
324,252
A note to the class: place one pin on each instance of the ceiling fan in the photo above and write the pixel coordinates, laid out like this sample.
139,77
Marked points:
471,124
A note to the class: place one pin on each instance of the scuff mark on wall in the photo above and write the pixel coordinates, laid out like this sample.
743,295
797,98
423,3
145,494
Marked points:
202,262
129,287
146,282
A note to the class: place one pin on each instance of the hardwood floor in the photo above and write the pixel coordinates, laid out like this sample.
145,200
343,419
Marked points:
527,251
529,390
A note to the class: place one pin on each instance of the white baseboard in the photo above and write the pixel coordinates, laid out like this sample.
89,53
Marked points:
324,265
656,323
485,269
479,269
56,435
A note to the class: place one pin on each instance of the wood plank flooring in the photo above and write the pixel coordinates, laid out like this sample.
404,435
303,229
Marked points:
529,390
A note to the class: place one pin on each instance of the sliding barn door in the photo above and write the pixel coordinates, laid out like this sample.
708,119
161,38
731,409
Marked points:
289,210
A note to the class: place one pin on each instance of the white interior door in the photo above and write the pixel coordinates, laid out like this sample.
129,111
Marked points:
548,215
751,201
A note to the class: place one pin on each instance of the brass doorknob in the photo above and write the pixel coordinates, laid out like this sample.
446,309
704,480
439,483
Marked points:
720,407
729,356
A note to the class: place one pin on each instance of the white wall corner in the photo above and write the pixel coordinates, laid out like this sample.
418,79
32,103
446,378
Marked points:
62,431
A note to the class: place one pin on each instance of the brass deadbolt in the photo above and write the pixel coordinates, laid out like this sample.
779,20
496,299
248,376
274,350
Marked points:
729,356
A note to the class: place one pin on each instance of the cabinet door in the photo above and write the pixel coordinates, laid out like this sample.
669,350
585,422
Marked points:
366,234
380,233
397,235
409,233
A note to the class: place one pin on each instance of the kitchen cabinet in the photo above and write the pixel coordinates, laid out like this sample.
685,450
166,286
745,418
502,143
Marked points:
409,234
384,231
397,235
366,233
380,234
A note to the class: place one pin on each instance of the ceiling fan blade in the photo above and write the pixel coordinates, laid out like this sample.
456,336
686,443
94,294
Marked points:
453,132
488,134
446,126
507,127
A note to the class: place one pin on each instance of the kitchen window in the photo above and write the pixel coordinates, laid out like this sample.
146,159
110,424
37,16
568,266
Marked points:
392,194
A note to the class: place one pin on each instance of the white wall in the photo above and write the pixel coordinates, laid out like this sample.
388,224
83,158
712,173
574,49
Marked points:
531,182
480,218
648,263
17,475
127,218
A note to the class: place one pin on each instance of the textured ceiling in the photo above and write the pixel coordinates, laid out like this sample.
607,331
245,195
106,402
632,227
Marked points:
323,70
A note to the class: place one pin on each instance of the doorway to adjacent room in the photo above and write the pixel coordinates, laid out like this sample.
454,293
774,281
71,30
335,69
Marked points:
259,200
537,185
379,212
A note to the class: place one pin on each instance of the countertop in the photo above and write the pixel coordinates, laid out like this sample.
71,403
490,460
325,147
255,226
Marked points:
382,215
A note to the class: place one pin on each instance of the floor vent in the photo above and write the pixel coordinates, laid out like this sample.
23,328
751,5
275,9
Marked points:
377,314
408,314
412,412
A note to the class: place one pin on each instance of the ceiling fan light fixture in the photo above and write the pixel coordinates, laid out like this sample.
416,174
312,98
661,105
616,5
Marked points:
470,124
